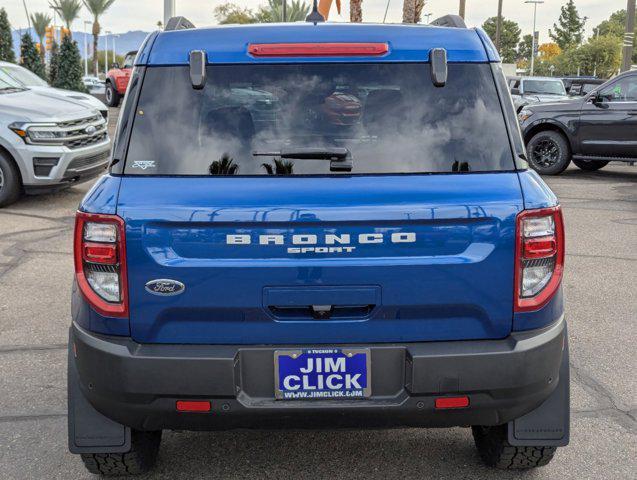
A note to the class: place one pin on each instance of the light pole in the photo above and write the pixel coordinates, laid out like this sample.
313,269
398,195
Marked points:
629,36
498,27
114,54
462,7
86,48
106,34
427,17
535,4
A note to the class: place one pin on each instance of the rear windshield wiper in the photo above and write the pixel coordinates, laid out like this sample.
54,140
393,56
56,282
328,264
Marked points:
340,158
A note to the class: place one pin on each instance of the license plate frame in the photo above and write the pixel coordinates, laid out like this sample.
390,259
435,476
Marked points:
288,362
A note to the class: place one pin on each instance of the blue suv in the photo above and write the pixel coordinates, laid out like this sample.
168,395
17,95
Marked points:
318,225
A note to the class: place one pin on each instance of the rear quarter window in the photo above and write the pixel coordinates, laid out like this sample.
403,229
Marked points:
390,117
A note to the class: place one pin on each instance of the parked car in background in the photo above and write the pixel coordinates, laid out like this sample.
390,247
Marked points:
358,259
94,85
47,142
530,90
590,130
117,80
580,86
27,78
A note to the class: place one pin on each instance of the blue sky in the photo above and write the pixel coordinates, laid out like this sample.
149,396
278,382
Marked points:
128,15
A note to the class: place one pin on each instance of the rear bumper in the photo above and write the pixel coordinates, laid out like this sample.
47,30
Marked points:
138,385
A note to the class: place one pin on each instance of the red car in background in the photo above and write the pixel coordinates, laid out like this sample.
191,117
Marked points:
117,80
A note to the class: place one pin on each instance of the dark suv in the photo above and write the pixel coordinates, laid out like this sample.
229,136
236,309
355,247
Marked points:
592,131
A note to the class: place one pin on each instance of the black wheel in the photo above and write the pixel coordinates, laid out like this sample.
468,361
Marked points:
496,451
10,183
548,153
590,166
140,459
112,95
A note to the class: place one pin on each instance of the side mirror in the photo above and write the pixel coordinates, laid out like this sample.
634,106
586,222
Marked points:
114,65
515,91
595,98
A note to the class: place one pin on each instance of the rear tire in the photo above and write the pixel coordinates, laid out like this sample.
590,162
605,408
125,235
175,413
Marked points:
590,166
141,457
548,152
496,451
10,183
111,95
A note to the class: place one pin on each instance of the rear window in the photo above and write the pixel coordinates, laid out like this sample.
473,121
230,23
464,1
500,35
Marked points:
389,117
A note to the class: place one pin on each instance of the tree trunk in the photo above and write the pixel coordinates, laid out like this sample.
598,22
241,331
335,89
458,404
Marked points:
409,11
356,11
96,35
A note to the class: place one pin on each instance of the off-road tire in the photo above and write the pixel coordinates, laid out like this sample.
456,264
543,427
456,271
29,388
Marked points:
10,183
111,95
541,164
590,166
496,451
141,457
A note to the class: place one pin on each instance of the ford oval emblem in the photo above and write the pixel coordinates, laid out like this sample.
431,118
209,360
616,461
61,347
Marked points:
165,287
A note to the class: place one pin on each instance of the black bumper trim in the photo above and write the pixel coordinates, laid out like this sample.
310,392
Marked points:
137,385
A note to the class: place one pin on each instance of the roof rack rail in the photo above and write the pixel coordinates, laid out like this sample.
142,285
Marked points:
455,21
178,23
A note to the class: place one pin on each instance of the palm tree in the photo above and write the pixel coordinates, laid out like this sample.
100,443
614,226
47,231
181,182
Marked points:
296,11
281,167
355,11
69,10
412,10
40,22
97,8
224,166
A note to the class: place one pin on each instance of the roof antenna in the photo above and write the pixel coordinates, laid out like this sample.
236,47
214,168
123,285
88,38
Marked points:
315,16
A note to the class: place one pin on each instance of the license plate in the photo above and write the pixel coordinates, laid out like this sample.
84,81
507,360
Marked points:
322,373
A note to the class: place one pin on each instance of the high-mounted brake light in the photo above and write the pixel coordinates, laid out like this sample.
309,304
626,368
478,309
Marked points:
539,257
100,262
317,49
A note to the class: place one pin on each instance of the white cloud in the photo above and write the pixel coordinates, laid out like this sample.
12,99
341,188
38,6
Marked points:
127,15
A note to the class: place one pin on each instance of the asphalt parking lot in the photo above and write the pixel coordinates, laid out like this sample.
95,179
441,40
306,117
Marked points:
600,287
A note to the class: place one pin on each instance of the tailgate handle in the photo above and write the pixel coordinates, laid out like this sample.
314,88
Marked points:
321,303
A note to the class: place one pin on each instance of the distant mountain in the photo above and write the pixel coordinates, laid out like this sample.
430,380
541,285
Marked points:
124,42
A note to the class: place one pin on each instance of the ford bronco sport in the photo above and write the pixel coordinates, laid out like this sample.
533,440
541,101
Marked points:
318,225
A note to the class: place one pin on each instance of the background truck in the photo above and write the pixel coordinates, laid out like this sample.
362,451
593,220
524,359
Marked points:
117,80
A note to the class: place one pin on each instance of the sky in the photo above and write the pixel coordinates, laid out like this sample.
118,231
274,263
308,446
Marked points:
126,15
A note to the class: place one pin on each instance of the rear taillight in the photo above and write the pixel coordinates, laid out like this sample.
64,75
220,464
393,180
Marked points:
539,257
100,262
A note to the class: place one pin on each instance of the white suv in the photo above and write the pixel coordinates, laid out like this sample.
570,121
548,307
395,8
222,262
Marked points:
47,142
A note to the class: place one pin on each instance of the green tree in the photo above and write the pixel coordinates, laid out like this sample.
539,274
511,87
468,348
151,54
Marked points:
97,8
509,37
615,26
296,11
525,47
569,29
6,41
40,22
54,60
29,56
233,13
227,13
69,10
69,66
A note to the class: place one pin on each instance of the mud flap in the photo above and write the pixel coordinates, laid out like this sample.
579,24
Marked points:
549,424
88,430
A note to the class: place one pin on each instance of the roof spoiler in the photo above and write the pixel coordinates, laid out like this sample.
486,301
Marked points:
455,21
178,23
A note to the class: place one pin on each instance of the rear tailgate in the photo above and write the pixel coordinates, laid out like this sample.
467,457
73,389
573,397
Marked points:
320,261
